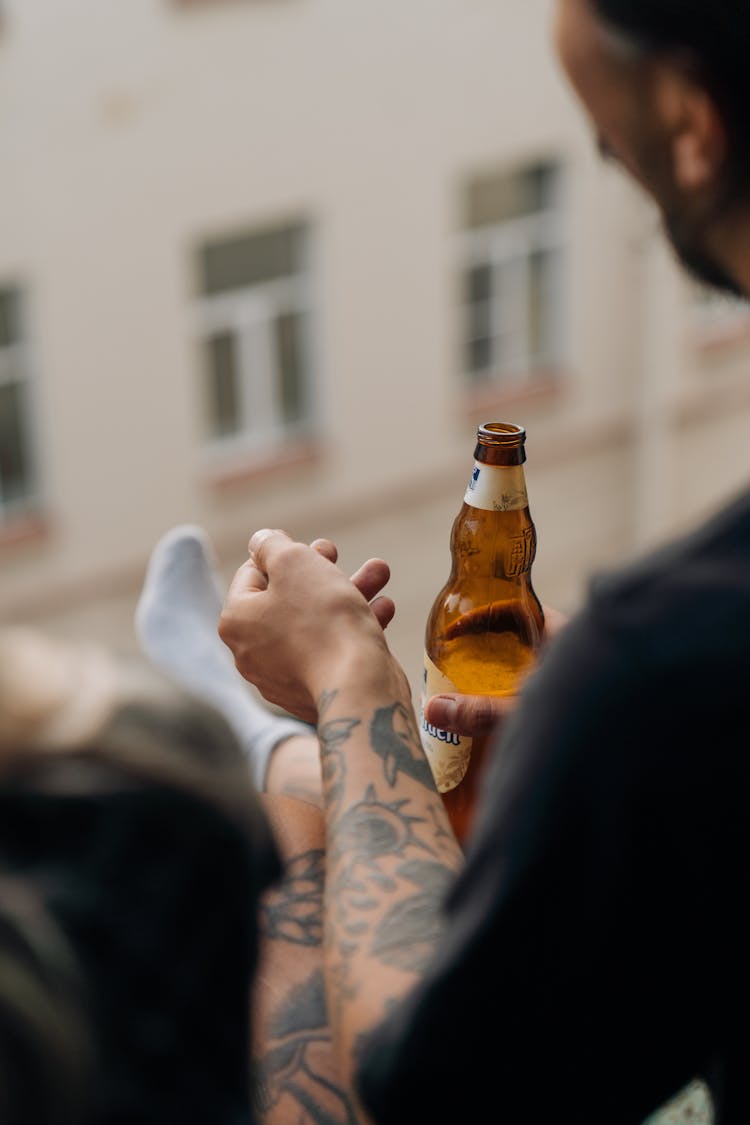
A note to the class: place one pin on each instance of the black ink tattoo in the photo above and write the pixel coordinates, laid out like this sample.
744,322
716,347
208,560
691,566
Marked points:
371,853
296,1072
368,833
294,912
332,735
393,737
296,1079
407,935
324,702
373,829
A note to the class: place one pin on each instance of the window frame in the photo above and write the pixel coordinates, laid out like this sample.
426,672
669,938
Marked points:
16,368
249,314
506,249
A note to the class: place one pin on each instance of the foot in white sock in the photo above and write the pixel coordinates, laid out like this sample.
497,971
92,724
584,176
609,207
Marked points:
176,622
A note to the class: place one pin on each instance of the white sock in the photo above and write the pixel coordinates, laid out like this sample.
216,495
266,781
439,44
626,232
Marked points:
176,622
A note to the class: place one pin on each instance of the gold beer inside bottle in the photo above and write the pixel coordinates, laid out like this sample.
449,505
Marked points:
486,624
490,627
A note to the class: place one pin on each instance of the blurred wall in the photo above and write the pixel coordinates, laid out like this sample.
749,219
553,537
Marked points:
132,134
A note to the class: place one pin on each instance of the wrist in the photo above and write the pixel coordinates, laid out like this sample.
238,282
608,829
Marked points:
365,675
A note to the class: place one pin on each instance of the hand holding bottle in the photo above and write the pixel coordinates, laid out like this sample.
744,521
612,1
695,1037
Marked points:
474,716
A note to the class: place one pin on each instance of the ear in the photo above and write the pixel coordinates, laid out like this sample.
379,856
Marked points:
695,127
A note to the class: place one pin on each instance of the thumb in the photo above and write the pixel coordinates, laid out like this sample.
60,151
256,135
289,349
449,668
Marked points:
265,545
469,715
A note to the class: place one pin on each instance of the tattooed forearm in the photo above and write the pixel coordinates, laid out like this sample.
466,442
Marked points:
296,1077
391,858
332,734
406,936
370,830
393,738
294,1081
294,912
369,837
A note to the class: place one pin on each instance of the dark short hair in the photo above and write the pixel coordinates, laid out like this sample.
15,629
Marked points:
710,39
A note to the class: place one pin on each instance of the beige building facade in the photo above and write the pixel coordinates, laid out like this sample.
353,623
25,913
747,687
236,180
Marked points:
271,262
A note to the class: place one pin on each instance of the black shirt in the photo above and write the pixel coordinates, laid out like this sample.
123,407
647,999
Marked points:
594,954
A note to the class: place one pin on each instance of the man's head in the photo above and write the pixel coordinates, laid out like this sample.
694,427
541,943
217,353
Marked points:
667,87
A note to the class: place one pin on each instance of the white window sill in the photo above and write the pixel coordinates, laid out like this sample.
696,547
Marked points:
240,469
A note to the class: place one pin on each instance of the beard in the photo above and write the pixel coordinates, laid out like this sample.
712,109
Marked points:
689,248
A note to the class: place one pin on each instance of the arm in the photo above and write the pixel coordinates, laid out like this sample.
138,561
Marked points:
308,639
295,1074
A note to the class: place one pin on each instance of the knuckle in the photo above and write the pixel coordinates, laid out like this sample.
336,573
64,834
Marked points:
478,713
225,628
288,548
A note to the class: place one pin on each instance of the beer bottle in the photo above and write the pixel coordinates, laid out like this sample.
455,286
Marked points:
486,624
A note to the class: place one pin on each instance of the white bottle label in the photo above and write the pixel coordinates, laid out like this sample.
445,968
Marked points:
447,753
497,488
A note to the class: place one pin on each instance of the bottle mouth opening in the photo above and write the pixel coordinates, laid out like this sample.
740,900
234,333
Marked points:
501,433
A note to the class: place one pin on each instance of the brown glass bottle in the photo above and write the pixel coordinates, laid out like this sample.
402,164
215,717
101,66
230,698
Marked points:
486,624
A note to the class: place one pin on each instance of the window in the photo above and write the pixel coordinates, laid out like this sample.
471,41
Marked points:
511,257
255,327
17,477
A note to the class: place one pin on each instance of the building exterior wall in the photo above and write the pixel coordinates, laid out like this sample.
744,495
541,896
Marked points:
133,133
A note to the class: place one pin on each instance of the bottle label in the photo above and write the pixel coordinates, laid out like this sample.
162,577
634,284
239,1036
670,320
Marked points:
447,753
497,488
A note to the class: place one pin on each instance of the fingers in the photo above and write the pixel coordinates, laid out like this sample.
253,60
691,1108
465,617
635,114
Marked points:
265,545
384,610
247,579
326,548
469,715
371,577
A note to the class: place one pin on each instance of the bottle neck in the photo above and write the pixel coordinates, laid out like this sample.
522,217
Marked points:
497,488
500,443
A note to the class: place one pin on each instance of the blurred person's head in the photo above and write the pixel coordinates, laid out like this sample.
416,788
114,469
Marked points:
132,855
666,84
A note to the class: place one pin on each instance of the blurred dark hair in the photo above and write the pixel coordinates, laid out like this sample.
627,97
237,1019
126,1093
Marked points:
130,868
709,39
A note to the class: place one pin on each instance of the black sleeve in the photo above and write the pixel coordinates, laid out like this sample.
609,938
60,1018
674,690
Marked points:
565,987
